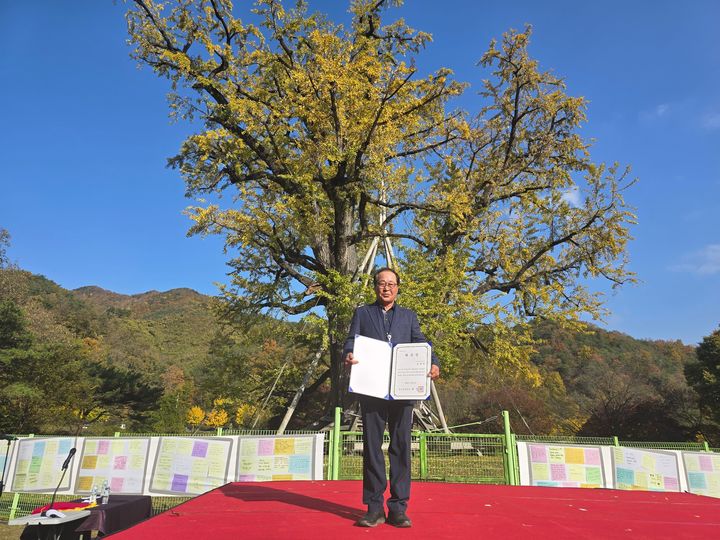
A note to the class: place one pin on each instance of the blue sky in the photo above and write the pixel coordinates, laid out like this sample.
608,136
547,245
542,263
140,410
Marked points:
87,199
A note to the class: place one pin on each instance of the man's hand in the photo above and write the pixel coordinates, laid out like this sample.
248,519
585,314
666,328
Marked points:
350,359
434,372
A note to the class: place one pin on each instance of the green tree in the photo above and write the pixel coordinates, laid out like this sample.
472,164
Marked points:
704,377
330,143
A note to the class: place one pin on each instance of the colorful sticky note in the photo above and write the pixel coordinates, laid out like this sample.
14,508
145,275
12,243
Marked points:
538,453
625,476
120,463
179,483
696,480
88,462
200,449
266,447
574,455
116,484
103,446
285,446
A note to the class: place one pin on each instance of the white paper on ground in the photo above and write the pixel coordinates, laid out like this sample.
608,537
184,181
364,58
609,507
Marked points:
371,375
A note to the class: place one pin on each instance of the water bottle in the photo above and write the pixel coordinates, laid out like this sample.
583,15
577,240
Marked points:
93,494
105,493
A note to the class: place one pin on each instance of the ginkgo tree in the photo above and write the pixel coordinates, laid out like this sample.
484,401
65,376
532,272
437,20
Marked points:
315,140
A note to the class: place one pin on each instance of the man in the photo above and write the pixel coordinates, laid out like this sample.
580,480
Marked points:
386,321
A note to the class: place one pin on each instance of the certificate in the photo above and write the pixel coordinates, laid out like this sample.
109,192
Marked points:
410,367
390,372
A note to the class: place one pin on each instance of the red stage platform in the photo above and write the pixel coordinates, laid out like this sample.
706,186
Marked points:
327,510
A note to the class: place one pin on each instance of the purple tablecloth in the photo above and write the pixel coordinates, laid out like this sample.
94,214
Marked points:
121,512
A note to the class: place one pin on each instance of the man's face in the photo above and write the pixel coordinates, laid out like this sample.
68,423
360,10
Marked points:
386,288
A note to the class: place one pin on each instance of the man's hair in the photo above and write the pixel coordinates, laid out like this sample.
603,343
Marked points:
385,269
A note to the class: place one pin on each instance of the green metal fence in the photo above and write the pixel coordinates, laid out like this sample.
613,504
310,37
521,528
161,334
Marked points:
446,457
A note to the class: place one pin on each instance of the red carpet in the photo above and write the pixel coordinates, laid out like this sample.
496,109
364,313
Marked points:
326,510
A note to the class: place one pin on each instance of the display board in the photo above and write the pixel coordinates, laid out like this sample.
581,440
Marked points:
296,457
565,465
653,470
38,466
702,471
121,462
190,466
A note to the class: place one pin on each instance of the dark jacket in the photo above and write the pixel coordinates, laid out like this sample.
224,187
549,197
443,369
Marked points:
367,321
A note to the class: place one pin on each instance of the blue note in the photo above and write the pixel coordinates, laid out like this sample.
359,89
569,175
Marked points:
625,476
39,449
64,446
697,480
300,465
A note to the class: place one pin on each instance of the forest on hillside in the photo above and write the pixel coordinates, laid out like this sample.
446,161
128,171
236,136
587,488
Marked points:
95,362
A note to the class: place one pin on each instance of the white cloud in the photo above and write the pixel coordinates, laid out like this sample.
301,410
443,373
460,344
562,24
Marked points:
704,262
572,196
711,121
661,109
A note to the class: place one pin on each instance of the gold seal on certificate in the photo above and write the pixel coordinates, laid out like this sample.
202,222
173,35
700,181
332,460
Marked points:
390,372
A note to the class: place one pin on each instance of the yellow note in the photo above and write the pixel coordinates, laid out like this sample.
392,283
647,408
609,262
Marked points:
118,447
285,446
281,464
576,473
303,445
89,462
247,465
90,446
277,477
557,454
85,483
642,480
135,445
248,447
103,461
540,471
574,455
136,462
185,446
648,463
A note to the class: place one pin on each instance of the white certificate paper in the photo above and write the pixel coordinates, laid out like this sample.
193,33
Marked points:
371,375
387,372
410,367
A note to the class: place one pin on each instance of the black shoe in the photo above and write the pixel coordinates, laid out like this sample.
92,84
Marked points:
371,519
399,519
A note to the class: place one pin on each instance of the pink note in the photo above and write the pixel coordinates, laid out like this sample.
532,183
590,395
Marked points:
266,447
538,453
671,483
557,471
120,463
706,463
116,485
103,447
592,456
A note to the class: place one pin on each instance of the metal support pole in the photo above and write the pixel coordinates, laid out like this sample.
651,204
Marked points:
299,393
336,442
436,400
423,456
509,454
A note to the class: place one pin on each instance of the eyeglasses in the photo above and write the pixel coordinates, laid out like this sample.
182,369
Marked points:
386,284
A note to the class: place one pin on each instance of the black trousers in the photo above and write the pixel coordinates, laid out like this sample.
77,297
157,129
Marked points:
398,415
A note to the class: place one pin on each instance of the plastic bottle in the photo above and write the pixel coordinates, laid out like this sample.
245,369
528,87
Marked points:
93,494
105,493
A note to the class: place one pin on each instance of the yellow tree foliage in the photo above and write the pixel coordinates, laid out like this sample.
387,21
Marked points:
327,139
195,416
217,418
